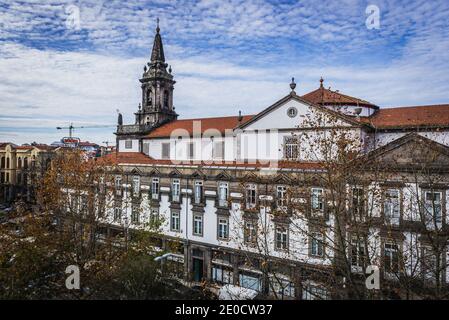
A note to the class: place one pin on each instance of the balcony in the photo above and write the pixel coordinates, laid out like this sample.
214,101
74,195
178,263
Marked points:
134,128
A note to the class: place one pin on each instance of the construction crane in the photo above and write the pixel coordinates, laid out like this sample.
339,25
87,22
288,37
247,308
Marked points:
71,128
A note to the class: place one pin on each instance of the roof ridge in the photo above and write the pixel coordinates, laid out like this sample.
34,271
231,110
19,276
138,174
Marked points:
244,115
420,106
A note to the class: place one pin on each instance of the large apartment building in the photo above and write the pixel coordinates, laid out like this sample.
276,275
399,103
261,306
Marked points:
229,189
20,167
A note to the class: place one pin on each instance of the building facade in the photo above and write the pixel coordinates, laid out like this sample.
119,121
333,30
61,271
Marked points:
20,169
247,201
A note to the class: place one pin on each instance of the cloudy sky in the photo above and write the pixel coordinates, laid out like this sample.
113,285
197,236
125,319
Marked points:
226,56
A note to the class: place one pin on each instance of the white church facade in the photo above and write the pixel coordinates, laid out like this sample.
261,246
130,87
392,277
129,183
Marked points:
217,185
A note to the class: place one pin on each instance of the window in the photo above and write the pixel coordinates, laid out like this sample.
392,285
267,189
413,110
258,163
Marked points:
166,150
198,194
223,228
218,151
392,206
118,185
128,144
358,203
432,207
222,274
251,196
154,218
283,288
117,214
176,190
84,205
391,257
165,99
281,238
429,266
291,147
357,252
317,244
250,231
292,112
249,281
198,225
175,221
314,293
136,185
25,163
155,188
281,196
135,214
223,194
191,150
149,97
19,163
317,200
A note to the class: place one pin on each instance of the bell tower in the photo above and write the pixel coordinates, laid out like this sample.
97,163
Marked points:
157,86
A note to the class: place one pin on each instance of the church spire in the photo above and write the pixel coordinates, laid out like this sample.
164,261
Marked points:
157,54
157,89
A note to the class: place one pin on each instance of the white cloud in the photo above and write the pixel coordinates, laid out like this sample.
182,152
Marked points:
226,56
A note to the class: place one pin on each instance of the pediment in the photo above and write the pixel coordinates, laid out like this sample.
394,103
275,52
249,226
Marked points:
223,176
136,171
411,151
306,114
175,173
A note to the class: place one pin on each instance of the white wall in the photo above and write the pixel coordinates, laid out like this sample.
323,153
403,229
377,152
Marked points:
135,145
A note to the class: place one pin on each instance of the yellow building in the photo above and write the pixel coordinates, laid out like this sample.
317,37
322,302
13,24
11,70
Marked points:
20,167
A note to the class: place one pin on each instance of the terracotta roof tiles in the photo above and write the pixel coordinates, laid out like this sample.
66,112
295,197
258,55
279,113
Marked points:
219,123
410,117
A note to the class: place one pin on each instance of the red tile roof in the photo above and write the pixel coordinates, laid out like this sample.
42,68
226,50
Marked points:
140,158
323,96
410,117
218,123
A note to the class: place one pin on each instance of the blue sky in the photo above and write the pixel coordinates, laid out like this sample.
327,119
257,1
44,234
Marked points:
226,56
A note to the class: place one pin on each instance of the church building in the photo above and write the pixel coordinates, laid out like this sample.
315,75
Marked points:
215,181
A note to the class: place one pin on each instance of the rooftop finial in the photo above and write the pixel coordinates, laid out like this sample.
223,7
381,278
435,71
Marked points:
293,85
157,28
321,82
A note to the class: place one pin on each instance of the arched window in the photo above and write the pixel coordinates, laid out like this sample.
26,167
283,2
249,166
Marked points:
19,163
149,97
165,99
3,163
7,163
25,163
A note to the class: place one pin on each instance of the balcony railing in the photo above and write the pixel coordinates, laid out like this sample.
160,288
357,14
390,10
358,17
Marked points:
133,128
